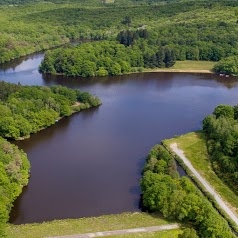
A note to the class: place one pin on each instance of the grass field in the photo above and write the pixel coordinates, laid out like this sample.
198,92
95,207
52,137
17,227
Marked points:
188,66
159,234
194,147
92,224
194,65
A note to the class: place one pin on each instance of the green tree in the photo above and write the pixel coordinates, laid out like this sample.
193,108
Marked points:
227,65
102,72
8,128
188,233
14,174
160,55
88,69
224,110
169,59
235,108
5,111
115,69
126,21
23,125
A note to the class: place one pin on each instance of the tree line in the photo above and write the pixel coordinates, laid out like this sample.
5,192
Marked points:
81,2
14,175
228,66
178,198
196,30
103,58
28,109
221,130
186,41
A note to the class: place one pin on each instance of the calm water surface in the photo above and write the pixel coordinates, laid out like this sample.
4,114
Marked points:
89,164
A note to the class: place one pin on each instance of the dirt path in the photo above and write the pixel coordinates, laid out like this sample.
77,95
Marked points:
122,232
208,187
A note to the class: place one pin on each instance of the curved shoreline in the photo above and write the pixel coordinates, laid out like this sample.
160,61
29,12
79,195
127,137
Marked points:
179,71
77,109
187,66
191,71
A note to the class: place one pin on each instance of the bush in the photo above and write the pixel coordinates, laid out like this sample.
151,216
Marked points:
227,65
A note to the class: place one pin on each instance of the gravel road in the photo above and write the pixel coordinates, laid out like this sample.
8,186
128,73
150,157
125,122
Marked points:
208,187
122,232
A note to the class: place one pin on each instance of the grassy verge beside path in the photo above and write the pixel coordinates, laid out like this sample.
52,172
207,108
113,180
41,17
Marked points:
188,66
159,234
194,147
87,225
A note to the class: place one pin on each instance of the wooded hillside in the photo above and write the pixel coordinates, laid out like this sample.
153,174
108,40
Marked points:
194,29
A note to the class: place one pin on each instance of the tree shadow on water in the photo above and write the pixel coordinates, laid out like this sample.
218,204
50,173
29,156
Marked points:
135,190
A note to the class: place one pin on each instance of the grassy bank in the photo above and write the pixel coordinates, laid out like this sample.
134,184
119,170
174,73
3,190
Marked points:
92,224
194,147
159,234
189,66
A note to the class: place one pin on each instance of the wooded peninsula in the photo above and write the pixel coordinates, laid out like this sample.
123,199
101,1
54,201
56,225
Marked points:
186,30
28,109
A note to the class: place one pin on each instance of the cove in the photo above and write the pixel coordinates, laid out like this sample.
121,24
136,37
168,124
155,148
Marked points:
89,164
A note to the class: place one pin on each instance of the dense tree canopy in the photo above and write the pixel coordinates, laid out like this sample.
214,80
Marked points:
81,2
188,233
103,58
227,65
160,45
221,129
178,198
14,173
28,109
204,30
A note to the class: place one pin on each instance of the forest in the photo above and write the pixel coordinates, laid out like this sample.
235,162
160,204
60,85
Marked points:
157,47
221,130
177,197
28,109
194,30
89,2
103,58
14,175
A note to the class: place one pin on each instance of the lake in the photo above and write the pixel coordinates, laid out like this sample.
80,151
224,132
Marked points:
90,163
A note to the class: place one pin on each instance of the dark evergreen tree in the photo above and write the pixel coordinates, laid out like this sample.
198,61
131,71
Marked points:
126,37
169,58
126,21
160,55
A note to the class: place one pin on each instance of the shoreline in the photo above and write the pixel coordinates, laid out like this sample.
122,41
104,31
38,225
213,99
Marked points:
203,71
76,105
187,66
191,71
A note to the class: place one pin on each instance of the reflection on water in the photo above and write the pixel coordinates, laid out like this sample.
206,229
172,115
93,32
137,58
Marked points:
89,164
27,63
166,77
